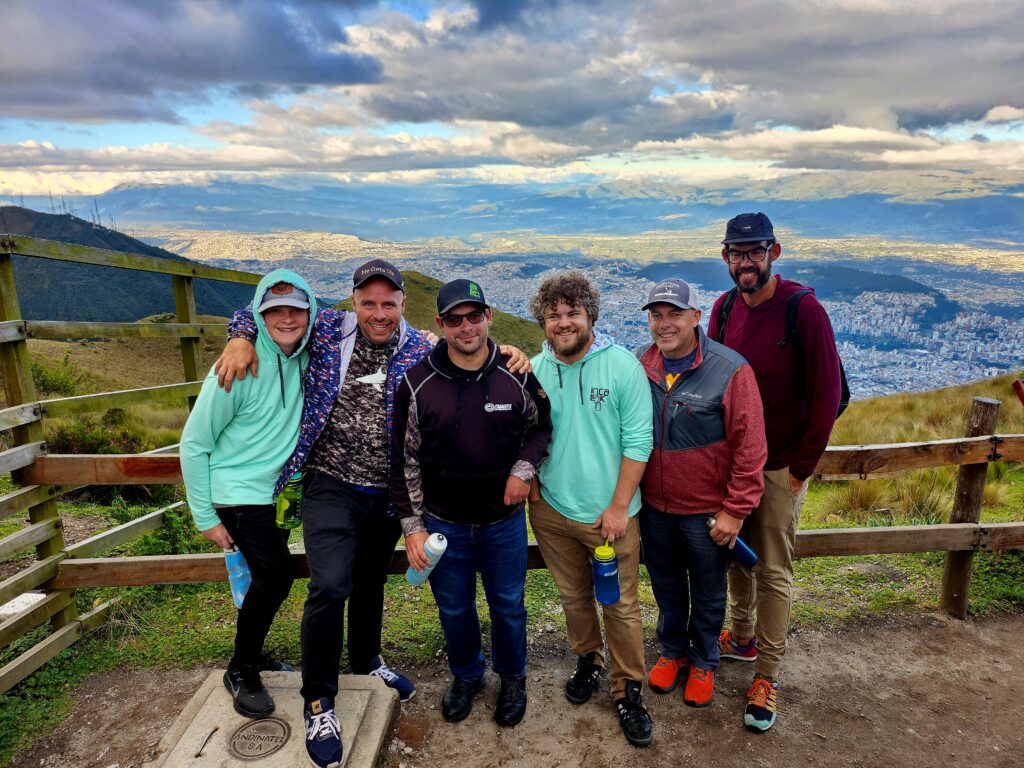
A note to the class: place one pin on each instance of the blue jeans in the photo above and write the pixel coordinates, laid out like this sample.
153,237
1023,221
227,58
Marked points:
498,553
688,575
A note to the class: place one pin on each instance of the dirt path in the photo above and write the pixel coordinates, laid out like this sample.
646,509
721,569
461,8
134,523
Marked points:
928,692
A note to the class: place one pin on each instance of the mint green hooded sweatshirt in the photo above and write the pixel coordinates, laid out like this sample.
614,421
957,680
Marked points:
601,410
235,443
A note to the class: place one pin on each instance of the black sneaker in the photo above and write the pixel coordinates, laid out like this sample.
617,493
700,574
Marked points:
633,717
458,699
250,697
584,680
268,663
511,704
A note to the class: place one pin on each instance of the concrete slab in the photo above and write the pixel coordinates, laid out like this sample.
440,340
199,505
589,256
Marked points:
210,734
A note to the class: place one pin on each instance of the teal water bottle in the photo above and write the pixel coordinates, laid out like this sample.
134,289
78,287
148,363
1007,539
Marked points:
289,503
239,575
433,548
606,574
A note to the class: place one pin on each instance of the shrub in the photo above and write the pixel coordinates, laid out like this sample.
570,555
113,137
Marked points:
62,381
995,495
116,431
858,500
925,496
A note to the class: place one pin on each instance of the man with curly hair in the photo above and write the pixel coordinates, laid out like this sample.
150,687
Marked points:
587,493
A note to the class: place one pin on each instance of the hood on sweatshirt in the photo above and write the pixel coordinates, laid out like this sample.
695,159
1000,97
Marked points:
267,350
266,347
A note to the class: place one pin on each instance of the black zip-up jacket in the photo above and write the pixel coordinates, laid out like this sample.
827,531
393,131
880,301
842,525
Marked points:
458,435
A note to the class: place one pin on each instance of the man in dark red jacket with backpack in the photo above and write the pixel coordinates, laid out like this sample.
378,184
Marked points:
782,330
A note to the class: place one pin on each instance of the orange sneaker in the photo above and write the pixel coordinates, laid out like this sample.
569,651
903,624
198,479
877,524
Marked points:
664,676
729,649
700,687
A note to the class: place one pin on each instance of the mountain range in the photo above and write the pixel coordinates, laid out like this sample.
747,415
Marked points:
812,205
60,290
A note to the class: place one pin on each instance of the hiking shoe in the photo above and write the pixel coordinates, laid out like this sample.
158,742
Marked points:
729,649
268,663
700,687
633,716
664,676
250,697
398,681
511,704
457,702
762,698
584,680
323,734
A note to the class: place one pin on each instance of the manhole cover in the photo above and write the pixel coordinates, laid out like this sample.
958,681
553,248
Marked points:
258,739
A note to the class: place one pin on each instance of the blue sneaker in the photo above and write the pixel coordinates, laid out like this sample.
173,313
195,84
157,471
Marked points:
268,663
398,681
323,734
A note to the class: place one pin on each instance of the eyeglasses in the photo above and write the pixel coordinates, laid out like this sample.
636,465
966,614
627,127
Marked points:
455,321
756,255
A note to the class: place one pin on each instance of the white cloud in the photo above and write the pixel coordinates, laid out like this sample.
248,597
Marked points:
1004,114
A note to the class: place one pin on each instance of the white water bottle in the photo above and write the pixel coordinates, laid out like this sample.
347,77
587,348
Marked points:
433,548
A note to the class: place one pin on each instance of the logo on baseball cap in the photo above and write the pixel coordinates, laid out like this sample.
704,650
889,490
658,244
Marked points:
459,292
378,268
672,291
747,228
284,295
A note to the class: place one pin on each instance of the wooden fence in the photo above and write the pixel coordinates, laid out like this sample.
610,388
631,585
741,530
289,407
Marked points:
60,569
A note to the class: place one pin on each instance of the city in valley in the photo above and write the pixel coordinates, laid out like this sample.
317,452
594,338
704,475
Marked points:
960,318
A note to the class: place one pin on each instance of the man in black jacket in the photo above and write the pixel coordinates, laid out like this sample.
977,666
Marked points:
468,438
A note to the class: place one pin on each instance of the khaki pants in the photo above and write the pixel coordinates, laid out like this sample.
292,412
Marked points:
567,547
760,600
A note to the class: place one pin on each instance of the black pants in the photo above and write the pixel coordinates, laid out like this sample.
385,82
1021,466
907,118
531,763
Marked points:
349,541
265,547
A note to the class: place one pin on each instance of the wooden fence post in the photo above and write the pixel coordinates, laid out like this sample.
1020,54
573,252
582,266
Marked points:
191,351
19,388
970,491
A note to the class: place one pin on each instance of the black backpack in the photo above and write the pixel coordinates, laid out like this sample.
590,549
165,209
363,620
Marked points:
792,304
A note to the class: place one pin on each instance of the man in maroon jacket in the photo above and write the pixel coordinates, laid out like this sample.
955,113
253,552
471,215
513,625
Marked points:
798,376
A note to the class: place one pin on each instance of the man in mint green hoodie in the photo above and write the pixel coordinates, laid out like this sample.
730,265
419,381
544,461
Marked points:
233,448
601,413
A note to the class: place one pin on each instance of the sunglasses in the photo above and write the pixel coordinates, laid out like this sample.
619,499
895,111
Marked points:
455,321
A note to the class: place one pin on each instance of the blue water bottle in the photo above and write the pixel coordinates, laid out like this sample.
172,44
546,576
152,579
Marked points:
606,574
238,574
742,551
433,548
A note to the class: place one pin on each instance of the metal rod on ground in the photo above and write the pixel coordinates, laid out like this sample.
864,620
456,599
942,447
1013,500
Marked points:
970,491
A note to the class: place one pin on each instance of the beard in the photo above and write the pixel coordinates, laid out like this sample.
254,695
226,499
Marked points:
763,276
571,348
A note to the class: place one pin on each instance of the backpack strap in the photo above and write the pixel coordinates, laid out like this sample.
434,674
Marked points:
792,306
723,313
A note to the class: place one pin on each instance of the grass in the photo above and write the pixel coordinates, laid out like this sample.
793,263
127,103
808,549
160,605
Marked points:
189,625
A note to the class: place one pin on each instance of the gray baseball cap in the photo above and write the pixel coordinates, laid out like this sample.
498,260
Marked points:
672,291
284,295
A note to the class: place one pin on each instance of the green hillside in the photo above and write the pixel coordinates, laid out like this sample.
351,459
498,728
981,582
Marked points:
421,309
58,290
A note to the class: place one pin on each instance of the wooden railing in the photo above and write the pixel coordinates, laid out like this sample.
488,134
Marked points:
24,416
59,569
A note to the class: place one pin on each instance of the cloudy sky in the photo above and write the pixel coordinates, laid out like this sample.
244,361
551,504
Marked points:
507,91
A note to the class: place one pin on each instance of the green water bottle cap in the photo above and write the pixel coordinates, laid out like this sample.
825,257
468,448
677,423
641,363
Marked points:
605,553
297,476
